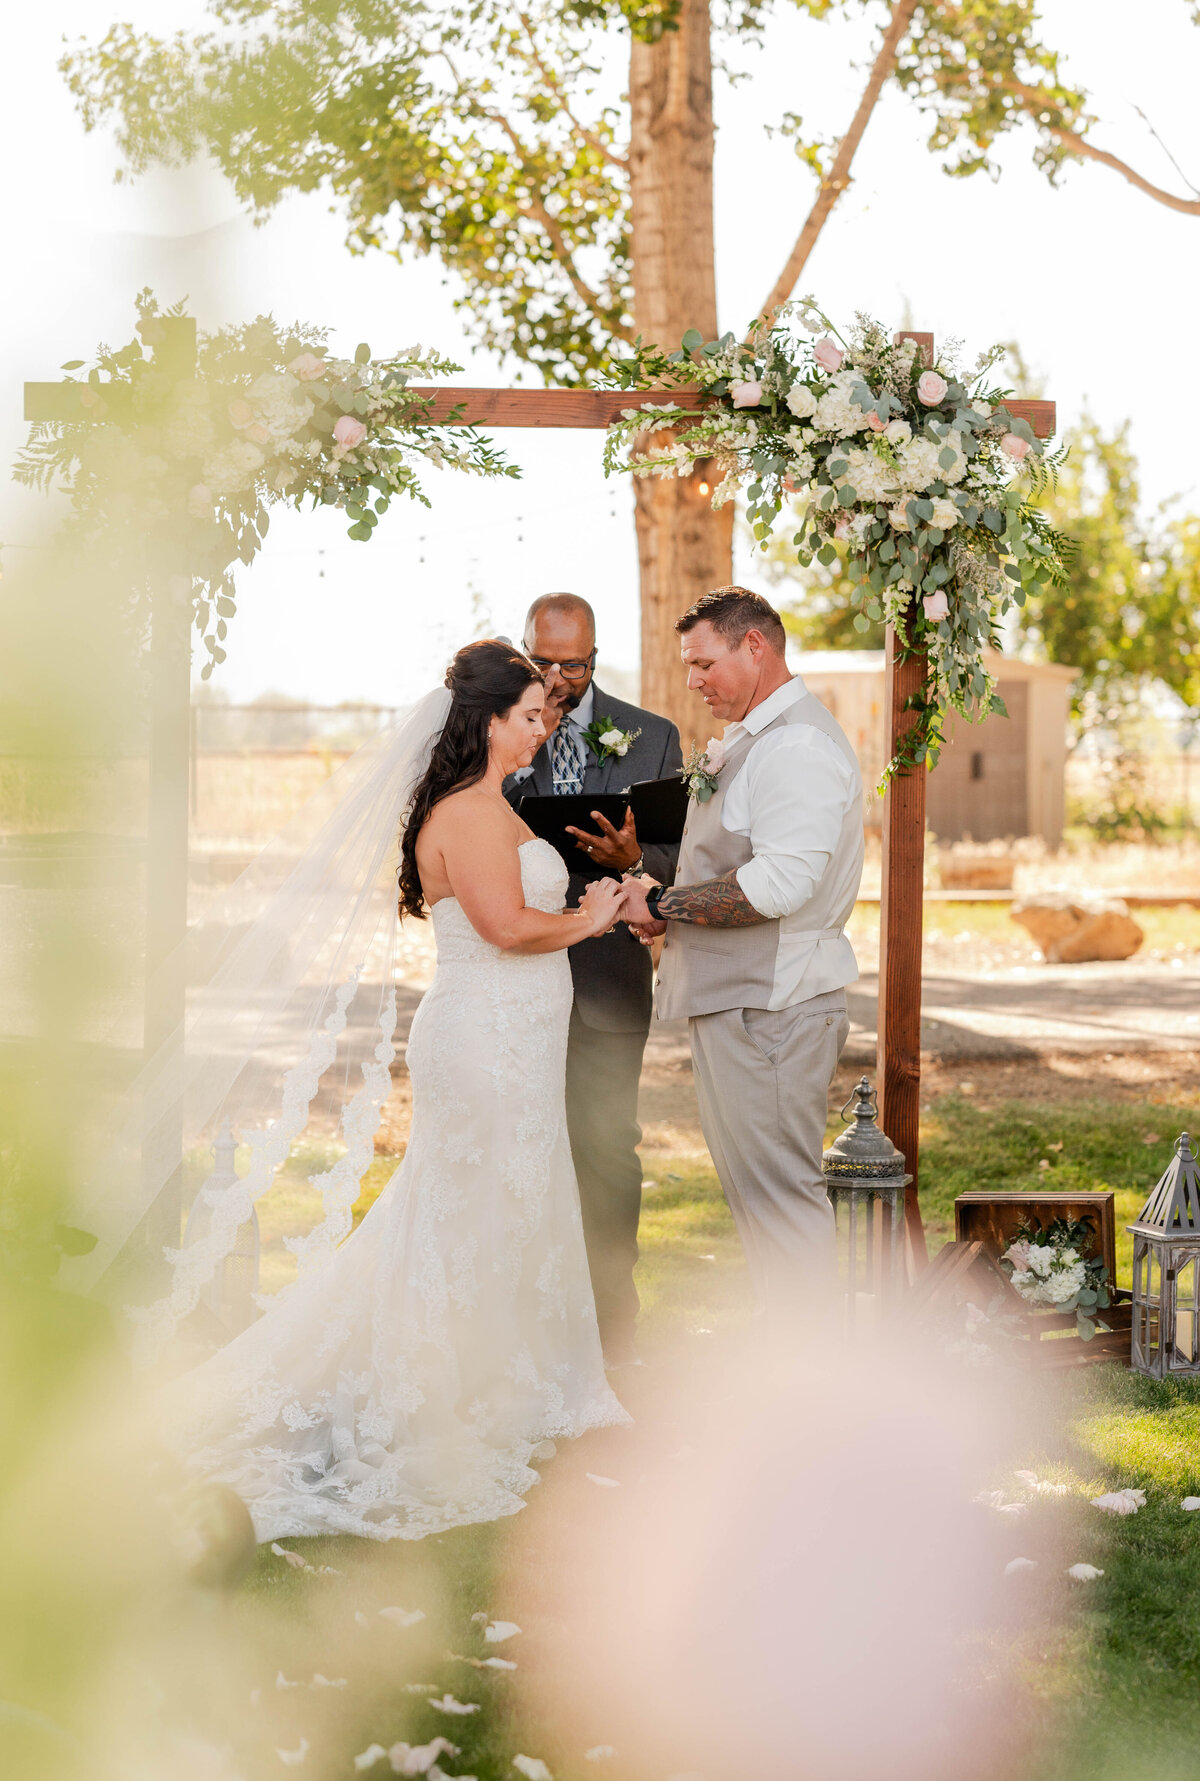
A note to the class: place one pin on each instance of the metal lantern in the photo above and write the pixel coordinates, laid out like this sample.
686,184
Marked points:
229,1294
865,1180
1166,1271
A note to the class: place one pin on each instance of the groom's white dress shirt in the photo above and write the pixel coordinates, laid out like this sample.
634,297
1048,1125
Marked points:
790,798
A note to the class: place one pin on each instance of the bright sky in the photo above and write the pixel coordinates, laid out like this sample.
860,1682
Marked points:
1096,281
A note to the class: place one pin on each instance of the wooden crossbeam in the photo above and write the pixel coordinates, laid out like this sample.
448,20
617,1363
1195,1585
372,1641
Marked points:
594,409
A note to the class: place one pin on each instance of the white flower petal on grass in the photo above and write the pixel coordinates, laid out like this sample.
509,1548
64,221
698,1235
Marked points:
320,1681
366,1759
360,1618
482,1663
607,1483
1019,1564
448,1704
532,1767
1190,1503
293,1758
419,1759
496,1631
1120,1502
599,1753
296,1559
994,1499
1084,1573
402,1616
420,1688
281,1681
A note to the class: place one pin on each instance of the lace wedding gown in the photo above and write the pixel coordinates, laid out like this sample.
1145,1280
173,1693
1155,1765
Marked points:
401,1389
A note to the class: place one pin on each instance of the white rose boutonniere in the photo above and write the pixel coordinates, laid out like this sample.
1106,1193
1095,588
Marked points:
701,768
606,740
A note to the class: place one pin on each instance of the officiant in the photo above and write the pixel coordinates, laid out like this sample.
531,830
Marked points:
610,1019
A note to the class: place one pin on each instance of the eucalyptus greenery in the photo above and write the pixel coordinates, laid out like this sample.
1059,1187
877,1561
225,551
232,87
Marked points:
172,468
919,471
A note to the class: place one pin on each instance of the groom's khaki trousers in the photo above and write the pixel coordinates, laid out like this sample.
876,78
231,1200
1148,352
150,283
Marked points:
762,1080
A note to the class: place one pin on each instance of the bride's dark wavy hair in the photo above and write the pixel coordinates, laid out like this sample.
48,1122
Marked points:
485,680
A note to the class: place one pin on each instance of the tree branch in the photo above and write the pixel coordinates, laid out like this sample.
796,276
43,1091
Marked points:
536,209
555,86
838,177
1033,99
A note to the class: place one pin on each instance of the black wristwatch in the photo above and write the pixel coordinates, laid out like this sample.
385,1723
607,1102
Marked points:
652,901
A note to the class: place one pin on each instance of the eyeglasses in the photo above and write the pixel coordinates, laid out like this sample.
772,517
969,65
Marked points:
569,670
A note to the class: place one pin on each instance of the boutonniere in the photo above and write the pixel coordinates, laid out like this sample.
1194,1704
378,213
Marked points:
701,768
606,741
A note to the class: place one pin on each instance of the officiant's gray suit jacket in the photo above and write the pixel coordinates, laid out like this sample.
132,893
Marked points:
612,972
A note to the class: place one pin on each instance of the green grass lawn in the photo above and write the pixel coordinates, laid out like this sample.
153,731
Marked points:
1114,1680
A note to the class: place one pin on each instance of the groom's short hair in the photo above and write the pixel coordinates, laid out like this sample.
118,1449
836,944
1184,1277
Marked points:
732,611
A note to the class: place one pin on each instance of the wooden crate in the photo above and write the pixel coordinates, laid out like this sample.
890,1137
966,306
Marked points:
993,1221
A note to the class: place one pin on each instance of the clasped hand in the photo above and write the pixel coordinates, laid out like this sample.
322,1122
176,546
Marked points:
606,901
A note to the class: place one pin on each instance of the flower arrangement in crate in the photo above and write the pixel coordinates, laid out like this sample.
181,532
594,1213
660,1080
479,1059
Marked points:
1050,1270
266,415
918,472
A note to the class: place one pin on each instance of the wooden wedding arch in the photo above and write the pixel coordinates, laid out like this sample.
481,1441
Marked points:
898,1057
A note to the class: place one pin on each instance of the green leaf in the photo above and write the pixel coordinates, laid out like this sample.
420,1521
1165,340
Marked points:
72,365
947,457
362,353
692,340
993,520
847,497
827,555
360,533
861,622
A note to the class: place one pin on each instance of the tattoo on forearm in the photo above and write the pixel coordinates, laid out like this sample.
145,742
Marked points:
717,903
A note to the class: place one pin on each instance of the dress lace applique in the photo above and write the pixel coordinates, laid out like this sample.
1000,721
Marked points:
398,1388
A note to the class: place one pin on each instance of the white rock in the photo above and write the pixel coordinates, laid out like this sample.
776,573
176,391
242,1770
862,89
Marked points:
1084,1573
532,1767
1019,1564
1190,1503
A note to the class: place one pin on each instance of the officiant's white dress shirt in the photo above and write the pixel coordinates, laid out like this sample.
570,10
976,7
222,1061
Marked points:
790,798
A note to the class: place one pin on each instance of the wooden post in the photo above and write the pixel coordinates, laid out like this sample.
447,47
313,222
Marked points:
901,908
901,914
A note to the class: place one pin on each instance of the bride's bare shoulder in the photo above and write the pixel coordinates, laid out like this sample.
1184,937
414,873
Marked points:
470,811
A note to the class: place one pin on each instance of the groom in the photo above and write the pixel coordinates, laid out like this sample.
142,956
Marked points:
756,954
610,1019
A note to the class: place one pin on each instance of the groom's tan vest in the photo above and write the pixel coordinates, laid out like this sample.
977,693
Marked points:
704,970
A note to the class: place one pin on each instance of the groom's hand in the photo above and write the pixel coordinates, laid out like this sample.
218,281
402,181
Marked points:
617,848
635,912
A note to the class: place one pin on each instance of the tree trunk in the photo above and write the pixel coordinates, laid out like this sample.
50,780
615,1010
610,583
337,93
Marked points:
684,548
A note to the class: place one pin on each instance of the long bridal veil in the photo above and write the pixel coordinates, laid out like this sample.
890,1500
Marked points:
289,1027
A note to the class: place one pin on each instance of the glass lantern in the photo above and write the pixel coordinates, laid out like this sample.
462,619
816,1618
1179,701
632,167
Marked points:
1166,1272
229,1294
865,1180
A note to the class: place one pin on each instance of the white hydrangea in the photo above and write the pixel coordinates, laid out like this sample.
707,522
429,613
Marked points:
233,470
803,463
279,404
835,412
919,463
869,475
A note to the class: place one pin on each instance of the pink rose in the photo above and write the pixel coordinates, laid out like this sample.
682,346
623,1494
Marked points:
714,754
875,422
1015,446
307,367
931,388
1018,1254
240,412
747,394
936,606
349,431
261,435
828,354
200,501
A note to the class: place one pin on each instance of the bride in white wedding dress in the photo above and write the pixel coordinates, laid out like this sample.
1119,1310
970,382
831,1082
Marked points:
401,1388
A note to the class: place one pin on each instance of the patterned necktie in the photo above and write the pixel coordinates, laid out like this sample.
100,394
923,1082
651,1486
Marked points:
566,760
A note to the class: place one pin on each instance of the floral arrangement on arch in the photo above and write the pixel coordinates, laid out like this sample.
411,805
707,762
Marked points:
918,472
194,459
1050,1271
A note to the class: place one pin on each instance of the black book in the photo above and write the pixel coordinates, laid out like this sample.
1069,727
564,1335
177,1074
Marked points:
659,811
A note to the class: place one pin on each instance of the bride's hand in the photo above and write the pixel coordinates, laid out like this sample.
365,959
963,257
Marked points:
601,904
